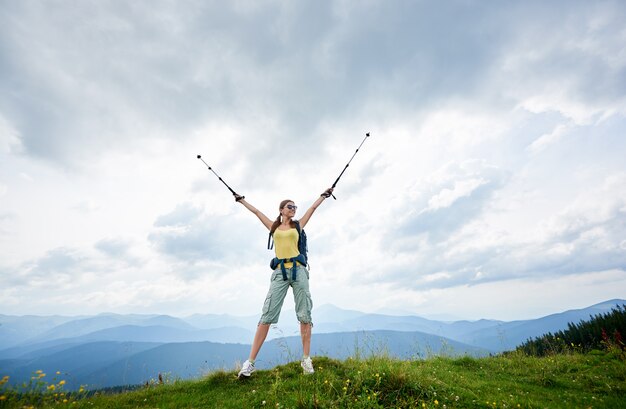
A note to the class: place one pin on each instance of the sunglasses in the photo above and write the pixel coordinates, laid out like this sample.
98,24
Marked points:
291,207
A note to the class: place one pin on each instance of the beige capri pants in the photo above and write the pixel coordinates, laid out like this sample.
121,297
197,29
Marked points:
278,291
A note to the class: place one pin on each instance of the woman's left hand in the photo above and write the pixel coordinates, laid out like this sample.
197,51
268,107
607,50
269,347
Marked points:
327,192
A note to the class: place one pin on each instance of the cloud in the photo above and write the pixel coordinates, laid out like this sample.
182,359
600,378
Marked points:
549,138
587,235
7,216
57,267
57,261
496,149
117,248
189,235
5,220
101,74
446,197
184,214
576,70
133,73
456,195
583,238
9,137
86,206
64,268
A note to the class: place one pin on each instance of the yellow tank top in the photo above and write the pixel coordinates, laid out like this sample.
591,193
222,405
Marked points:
286,244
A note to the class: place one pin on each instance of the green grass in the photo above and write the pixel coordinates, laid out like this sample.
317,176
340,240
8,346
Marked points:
596,380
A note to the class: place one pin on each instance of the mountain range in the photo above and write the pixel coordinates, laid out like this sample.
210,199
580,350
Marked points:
112,349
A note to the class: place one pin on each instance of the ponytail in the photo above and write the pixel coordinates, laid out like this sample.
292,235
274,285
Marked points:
275,225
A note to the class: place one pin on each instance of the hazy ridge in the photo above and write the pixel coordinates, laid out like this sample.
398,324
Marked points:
113,349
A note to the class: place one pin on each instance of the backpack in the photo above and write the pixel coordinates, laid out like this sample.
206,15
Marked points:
302,245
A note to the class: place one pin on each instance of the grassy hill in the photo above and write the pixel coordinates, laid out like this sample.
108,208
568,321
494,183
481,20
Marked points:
573,380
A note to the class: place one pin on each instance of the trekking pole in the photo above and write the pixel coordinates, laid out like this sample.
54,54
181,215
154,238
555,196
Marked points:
221,180
348,164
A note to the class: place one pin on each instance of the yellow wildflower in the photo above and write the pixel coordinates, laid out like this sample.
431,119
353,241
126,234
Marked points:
2,397
436,402
58,372
51,387
62,383
38,371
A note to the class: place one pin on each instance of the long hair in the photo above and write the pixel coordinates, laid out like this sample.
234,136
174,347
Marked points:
278,219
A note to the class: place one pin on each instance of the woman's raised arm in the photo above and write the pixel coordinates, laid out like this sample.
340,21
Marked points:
264,219
307,215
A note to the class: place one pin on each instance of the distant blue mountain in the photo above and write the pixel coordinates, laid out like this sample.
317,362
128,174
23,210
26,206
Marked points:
105,364
174,360
210,321
32,351
89,325
495,336
165,334
75,363
15,330
329,313
111,349
366,322
131,333
507,335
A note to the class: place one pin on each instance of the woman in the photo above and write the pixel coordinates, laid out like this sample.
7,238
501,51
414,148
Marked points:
285,235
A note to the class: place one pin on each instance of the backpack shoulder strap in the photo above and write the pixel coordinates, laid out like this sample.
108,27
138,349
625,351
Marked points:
270,241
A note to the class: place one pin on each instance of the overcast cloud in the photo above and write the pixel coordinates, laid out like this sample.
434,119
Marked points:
493,185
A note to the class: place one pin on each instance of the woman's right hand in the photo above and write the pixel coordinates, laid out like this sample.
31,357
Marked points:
238,198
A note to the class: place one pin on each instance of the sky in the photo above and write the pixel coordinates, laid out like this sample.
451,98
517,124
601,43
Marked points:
493,184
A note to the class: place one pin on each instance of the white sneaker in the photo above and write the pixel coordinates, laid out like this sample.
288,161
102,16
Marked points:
246,369
307,366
